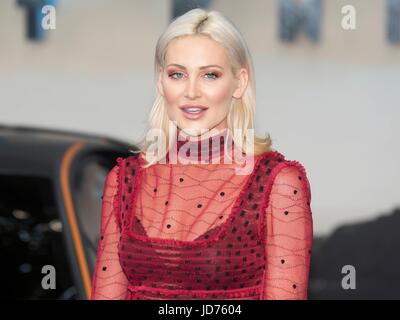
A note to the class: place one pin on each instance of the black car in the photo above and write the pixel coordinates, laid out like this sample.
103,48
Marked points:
51,185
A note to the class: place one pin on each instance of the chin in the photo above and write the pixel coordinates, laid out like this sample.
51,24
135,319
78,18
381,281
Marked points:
194,129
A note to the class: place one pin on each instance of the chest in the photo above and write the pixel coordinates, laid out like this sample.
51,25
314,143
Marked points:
185,202
169,240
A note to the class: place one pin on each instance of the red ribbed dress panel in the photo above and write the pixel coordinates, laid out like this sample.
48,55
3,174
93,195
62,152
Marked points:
201,231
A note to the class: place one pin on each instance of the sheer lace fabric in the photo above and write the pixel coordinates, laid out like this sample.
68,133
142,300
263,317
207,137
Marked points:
288,234
201,231
109,281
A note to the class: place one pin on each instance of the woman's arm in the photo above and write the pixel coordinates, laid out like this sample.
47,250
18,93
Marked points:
109,281
289,233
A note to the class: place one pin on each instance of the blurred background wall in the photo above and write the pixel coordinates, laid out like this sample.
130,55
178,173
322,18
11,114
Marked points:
333,105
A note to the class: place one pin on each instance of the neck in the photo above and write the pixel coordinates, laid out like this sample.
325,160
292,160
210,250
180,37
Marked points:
203,148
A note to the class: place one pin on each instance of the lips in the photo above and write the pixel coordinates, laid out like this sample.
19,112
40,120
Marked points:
193,111
193,108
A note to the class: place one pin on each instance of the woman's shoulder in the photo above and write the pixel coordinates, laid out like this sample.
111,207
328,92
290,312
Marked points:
134,157
287,172
276,163
280,157
121,163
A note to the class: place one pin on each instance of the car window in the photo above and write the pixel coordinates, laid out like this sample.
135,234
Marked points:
31,238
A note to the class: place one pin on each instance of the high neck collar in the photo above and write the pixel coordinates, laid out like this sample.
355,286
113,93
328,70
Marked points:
200,149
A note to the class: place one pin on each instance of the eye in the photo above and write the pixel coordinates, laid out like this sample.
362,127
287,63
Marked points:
175,73
214,75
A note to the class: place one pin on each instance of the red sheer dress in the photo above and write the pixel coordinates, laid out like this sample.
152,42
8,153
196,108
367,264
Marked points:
203,231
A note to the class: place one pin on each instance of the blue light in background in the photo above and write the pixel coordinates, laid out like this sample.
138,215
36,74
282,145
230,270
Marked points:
34,16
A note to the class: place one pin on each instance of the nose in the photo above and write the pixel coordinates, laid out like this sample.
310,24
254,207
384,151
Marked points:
192,89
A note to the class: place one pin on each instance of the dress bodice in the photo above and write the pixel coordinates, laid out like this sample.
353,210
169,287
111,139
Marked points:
201,231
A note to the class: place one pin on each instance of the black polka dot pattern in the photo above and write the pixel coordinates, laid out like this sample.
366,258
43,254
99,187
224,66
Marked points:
227,262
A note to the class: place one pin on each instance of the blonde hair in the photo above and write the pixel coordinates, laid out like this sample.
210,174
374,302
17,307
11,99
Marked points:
242,112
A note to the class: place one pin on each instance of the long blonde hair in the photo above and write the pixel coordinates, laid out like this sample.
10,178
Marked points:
242,111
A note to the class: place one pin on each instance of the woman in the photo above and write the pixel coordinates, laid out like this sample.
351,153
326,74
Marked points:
183,221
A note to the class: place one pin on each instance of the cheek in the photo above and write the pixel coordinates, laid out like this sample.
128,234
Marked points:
172,93
219,92
219,96
172,96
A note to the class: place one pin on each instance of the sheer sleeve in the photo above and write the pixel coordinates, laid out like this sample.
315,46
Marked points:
289,233
109,280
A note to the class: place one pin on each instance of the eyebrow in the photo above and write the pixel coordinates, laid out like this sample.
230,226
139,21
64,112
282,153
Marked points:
201,68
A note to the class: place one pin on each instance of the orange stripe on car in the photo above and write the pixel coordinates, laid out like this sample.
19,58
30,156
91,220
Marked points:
71,215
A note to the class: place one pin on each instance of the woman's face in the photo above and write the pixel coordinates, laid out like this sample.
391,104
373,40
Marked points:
198,74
